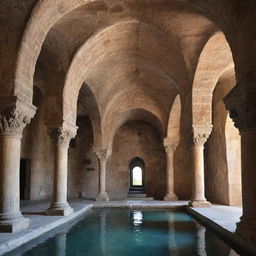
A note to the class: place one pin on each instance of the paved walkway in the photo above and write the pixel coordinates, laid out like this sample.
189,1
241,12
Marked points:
222,219
39,222
224,216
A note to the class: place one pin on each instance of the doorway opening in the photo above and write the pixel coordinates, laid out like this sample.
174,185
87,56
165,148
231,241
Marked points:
137,176
25,174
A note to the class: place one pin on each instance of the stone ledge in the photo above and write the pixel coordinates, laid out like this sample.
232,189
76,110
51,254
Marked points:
142,204
236,241
35,233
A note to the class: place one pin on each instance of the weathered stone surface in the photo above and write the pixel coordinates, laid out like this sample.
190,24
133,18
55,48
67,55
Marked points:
14,115
136,72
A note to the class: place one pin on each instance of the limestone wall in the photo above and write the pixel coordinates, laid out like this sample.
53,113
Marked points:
37,147
83,171
222,154
137,139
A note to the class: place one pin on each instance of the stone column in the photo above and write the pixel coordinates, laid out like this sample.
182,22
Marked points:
241,103
201,134
61,138
170,146
14,115
103,156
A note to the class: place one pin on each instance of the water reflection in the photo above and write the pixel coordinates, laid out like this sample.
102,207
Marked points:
136,218
172,245
201,240
60,244
103,234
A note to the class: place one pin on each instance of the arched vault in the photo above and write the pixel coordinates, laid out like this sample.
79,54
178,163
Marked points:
215,59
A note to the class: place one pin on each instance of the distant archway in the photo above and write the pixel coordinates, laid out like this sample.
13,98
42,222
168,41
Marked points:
137,176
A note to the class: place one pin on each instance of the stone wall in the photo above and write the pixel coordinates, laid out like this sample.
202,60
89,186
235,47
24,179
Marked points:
83,179
36,146
222,154
137,139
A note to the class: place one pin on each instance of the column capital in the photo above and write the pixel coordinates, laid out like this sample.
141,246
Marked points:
61,135
103,154
15,114
170,145
201,133
241,103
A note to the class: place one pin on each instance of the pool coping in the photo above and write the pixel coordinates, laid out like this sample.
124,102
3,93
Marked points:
13,244
235,240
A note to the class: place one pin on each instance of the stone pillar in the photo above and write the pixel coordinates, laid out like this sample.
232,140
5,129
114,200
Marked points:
201,134
170,146
103,156
14,115
61,138
241,103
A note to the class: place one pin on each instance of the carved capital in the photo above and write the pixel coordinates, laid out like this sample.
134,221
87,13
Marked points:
61,136
103,154
241,103
170,145
201,133
14,115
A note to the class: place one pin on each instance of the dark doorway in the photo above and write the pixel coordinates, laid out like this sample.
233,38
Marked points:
137,176
25,173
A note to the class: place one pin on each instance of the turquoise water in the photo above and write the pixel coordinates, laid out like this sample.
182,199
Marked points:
124,232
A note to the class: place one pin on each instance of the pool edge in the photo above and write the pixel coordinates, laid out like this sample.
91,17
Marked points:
231,237
13,244
237,242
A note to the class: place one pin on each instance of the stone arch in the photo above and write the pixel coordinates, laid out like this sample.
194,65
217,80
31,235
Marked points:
222,179
137,162
132,114
45,14
87,56
215,59
173,129
88,100
139,106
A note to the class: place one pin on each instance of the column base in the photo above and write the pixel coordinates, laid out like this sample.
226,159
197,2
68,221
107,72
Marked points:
102,197
59,209
247,230
13,225
199,203
170,197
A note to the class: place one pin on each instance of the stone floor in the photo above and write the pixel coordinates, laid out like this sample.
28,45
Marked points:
39,222
222,219
224,216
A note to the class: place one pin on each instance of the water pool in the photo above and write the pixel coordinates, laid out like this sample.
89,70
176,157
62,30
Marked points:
125,232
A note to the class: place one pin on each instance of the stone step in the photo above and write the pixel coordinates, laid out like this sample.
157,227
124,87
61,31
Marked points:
137,195
141,196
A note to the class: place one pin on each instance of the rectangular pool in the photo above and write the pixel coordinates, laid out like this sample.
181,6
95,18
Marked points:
130,232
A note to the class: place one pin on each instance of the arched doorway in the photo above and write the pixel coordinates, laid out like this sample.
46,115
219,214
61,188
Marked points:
137,176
